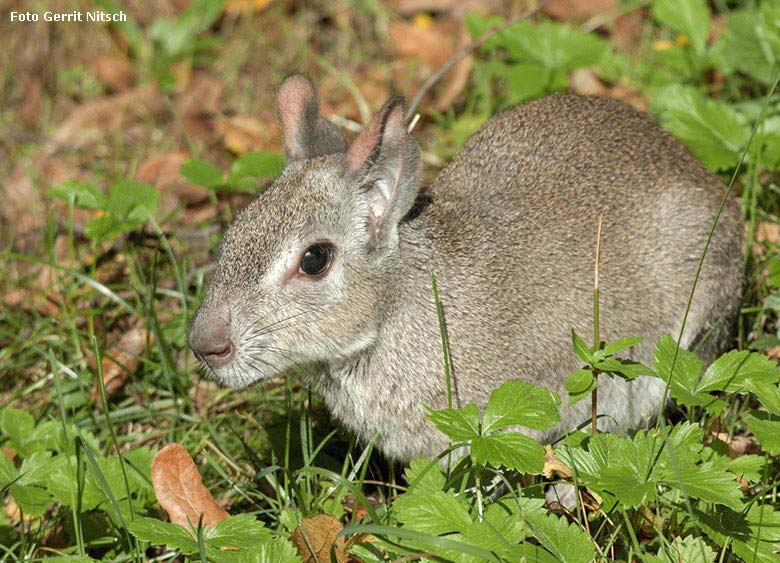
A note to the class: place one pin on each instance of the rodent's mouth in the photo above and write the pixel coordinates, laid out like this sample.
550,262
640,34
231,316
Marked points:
245,370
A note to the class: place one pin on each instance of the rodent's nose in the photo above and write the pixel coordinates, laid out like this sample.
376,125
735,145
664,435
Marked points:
209,336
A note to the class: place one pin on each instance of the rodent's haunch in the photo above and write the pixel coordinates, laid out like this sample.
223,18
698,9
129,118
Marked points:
329,273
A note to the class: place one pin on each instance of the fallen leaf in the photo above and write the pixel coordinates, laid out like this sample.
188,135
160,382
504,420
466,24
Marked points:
197,102
738,445
321,531
180,490
433,42
46,305
94,119
554,467
32,106
629,31
430,41
163,171
243,133
620,91
23,208
357,509
768,233
774,353
13,511
122,359
585,81
246,6
114,71
577,9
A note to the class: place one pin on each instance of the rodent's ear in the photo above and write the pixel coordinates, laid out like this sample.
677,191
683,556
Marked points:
305,133
385,160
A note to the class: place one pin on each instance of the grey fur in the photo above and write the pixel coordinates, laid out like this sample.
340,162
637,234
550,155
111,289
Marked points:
510,234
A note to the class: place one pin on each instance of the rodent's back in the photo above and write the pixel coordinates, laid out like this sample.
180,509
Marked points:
514,217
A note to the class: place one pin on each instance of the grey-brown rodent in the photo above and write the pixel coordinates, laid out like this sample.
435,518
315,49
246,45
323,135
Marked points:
329,270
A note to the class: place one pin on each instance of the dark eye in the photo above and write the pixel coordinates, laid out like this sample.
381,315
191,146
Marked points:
316,259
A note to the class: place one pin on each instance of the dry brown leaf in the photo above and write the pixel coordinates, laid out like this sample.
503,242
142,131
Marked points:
114,71
620,91
243,133
180,490
411,7
163,172
246,6
554,467
429,40
585,81
629,31
32,106
774,353
89,122
197,102
768,233
23,207
122,359
46,305
577,9
433,42
94,119
13,511
738,445
321,531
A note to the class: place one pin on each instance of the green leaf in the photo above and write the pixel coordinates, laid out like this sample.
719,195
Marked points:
434,512
625,368
524,81
747,466
458,424
630,486
568,543
690,17
17,424
516,403
612,348
728,372
242,531
687,369
424,475
508,449
752,44
83,195
201,173
8,471
552,45
32,499
768,393
277,550
131,200
477,24
157,532
255,165
712,130
752,537
706,482
582,350
767,432
687,550
579,385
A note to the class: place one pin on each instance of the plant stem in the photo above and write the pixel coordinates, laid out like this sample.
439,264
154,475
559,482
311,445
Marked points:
594,397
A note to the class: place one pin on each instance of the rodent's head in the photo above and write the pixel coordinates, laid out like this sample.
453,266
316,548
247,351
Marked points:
303,268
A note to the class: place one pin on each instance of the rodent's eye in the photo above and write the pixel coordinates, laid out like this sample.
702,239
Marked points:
316,259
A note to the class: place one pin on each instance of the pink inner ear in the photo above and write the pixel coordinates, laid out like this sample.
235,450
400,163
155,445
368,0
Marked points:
364,143
292,99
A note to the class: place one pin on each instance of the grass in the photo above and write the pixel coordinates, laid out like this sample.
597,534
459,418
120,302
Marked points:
272,450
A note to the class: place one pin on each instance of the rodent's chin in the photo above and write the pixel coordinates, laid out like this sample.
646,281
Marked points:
230,377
